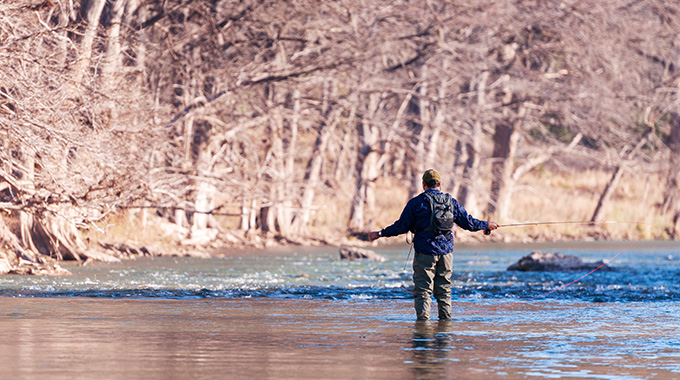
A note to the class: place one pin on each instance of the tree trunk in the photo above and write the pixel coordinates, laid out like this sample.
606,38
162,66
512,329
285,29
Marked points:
291,149
91,12
59,238
281,196
204,201
607,193
112,58
456,178
63,20
313,174
398,162
367,169
672,193
466,193
505,142
248,214
25,190
181,218
614,180
48,234
139,46
431,156
267,220
277,216
296,225
347,159
420,109
14,258
203,206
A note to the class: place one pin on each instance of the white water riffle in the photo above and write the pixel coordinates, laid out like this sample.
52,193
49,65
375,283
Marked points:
641,273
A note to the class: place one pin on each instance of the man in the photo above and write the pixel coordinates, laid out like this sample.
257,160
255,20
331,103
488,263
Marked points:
433,261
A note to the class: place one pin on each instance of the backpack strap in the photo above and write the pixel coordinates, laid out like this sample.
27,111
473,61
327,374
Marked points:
430,200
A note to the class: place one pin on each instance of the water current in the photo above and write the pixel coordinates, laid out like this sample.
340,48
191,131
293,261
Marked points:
306,314
645,272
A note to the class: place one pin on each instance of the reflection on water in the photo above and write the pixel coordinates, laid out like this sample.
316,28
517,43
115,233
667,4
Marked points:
69,338
312,316
431,349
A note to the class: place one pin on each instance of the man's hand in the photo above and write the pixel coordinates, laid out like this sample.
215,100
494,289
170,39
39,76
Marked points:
373,235
492,226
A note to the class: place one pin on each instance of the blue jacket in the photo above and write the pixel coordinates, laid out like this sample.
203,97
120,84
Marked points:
416,218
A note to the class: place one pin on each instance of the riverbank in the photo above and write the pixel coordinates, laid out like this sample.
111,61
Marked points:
541,196
555,195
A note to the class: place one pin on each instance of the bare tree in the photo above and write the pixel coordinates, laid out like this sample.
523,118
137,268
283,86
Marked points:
671,204
616,176
250,110
368,134
90,12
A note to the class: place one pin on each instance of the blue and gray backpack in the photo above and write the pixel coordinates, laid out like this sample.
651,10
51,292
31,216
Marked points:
441,218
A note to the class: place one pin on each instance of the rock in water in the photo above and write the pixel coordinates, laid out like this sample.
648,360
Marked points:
539,261
353,253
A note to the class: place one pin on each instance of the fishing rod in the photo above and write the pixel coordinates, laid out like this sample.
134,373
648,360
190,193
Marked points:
487,232
556,289
589,222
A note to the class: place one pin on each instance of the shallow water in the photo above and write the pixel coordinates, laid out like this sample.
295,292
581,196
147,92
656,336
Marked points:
644,272
98,338
310,315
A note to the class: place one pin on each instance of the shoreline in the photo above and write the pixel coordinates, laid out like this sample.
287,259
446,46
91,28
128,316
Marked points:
277,247
464,245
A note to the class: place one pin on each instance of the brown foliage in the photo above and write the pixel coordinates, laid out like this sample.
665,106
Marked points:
209,109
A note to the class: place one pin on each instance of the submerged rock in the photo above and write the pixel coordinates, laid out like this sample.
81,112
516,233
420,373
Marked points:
353,253
539,261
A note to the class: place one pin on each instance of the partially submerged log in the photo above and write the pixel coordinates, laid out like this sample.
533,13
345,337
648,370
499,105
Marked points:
353,253
539,261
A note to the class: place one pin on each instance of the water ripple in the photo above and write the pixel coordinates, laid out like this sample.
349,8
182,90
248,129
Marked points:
646,275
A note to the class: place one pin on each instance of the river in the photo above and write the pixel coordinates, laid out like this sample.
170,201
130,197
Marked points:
307,314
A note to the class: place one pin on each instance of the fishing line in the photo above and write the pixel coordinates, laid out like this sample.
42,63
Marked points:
408,256
409,240
473,260
556,289
487,232
589,222
461,276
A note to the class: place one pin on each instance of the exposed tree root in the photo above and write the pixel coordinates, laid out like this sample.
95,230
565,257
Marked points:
15,259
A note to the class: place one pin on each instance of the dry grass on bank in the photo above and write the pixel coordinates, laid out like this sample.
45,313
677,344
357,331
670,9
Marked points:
140,226
543,196
573,196
540,196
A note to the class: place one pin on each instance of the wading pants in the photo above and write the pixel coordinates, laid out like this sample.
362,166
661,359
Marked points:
432,275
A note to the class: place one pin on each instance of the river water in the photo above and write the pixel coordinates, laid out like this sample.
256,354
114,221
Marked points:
307,314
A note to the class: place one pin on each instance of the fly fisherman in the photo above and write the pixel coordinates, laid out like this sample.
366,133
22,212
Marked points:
431,215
